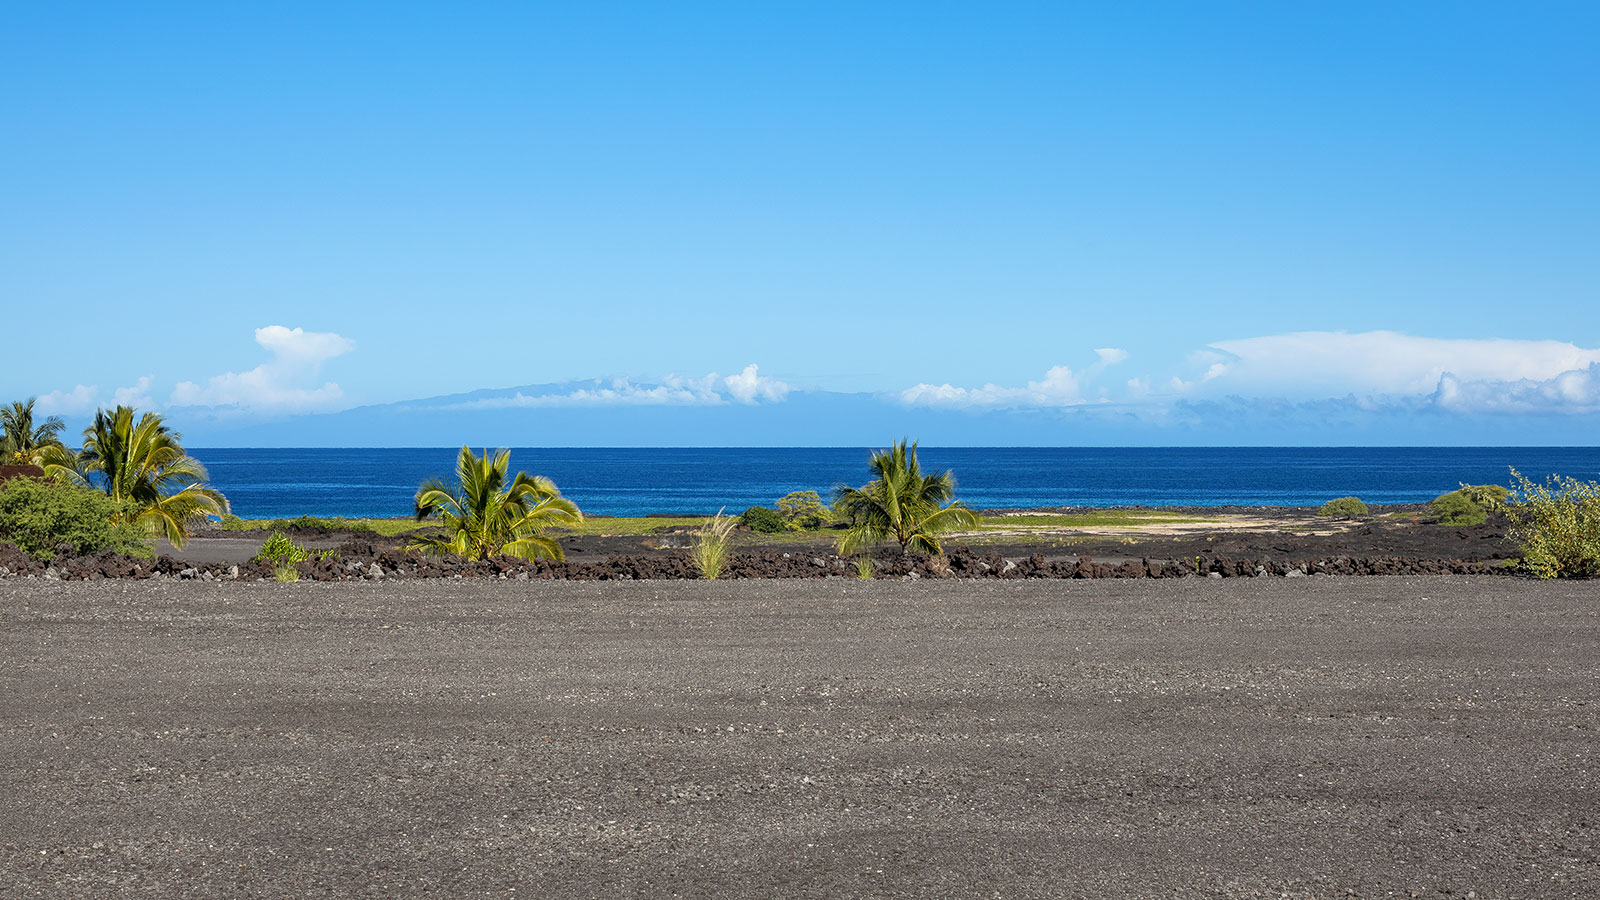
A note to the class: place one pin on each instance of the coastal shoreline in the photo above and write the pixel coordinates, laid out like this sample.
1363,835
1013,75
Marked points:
1049,542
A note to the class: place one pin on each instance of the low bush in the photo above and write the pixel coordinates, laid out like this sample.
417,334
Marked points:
1471,504
803,511
39,515
279,549
1558,526
763,520
1343,508
285,556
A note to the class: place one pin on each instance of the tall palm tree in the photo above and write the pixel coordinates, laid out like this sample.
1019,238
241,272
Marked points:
22,442
484,516
902,504
141,465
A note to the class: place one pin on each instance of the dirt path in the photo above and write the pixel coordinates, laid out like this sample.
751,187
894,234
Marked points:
1250,738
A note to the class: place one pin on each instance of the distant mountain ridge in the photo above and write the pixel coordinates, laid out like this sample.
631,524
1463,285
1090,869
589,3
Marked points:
611,412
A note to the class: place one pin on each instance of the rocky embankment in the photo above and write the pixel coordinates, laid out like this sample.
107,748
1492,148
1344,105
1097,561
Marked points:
361,560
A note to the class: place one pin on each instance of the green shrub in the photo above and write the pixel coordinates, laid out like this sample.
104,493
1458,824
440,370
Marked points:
1471,504
1343,508
764,520
1455,509
278,549
36,515
803,511
1558,526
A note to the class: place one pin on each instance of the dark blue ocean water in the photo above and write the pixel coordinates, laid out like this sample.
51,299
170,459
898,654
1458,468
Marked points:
268,483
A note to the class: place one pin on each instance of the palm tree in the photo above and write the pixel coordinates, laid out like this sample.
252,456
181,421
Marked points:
141,465
902,504
483,516
23,443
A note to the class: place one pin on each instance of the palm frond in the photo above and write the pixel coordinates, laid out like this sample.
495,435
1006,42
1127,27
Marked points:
901,504
484,515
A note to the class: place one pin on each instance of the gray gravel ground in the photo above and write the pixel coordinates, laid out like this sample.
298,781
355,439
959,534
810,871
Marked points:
1253,738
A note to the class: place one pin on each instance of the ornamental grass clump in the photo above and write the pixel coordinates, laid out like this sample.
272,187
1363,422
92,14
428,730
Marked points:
1558,526
710,548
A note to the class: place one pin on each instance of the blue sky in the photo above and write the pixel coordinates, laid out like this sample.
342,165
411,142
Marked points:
1100,214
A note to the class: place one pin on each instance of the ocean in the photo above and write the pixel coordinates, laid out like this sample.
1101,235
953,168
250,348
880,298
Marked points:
319,481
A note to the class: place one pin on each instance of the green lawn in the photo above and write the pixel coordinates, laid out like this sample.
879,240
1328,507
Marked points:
615,526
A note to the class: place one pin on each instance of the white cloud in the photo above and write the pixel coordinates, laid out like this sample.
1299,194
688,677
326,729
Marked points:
1381,362
296,346
283,383
621,392
748,387
85,399
1572,391
1385,371
1059,387
1109,356
1214,371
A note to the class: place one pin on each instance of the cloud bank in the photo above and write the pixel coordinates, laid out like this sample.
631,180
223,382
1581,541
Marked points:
1386,362
1308,371
282,384
1386,369
1573,392
747,387
86,398
1058,387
